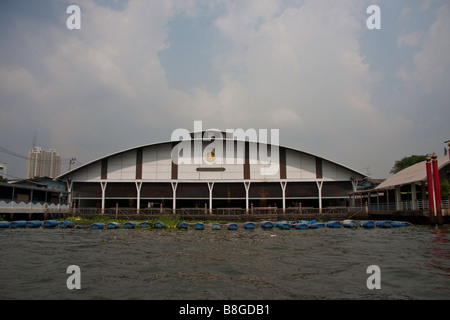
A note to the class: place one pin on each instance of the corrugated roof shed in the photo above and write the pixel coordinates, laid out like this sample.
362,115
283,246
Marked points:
414,173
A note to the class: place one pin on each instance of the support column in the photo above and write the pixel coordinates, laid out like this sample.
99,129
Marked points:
430,191
413,196
354,188
247,188
437,189
283,189
138,194
319,188
174,201
69,185
103,185
398,198
210,187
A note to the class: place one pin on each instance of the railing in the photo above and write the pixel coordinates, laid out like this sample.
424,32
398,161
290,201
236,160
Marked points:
404,206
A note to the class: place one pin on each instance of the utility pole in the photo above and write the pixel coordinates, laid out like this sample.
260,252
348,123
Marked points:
72,161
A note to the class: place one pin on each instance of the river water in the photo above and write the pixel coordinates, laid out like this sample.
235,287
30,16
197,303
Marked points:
414,263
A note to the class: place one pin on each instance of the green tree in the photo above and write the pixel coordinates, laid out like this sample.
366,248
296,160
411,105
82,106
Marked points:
406,162
445,189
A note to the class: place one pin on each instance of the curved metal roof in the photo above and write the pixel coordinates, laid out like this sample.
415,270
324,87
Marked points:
165,142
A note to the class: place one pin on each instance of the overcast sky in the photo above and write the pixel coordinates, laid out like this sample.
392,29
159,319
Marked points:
137,70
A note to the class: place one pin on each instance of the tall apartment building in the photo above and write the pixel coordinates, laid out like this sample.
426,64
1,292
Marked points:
43,163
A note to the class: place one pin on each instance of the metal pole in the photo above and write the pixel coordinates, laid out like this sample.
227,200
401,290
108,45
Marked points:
437,188
430,191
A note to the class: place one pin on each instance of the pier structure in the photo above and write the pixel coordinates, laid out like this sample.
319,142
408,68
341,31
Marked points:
410,193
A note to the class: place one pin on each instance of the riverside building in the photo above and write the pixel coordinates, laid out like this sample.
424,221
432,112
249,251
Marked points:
229,171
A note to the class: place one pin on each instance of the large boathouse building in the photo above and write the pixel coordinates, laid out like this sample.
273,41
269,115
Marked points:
227,172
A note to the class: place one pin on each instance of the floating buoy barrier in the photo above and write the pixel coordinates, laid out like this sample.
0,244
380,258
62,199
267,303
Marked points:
159,225
350,224
66,224
333,224
112,225
266,225
34,224
216,226
249,225
50,224
5,224
383,224
367,224
145,224
199,226
97,226
182,226
129,224
232,226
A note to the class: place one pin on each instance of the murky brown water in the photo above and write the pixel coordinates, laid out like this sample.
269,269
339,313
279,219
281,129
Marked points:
243,264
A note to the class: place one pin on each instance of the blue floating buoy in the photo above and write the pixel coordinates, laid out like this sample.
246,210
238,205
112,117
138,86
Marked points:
159,225
367,224
232,226
97,226
249,225
50,224
199,226
383,224
333,224
18,224
399,224
145,224
129,225
301,226
66,224
216,226
113,225
5,224
316,225
182,226
34,224
350,224
266,225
